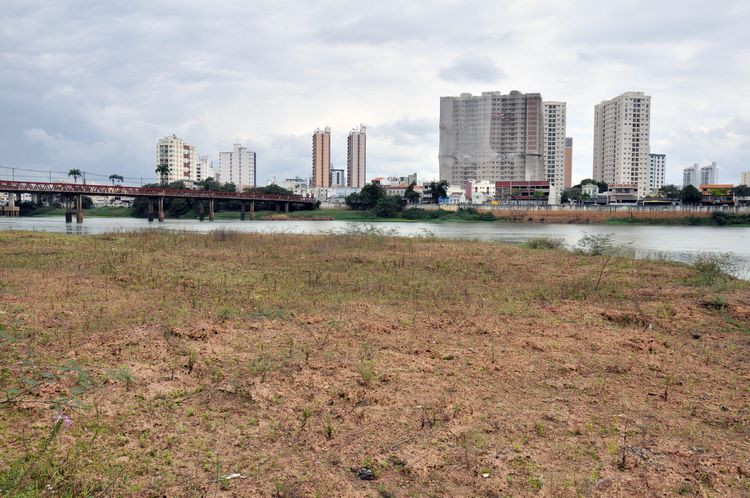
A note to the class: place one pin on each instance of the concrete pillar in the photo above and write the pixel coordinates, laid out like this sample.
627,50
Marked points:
242,210
150,210
79,209
68,214
210,210
278,207
286,207
252,210
200,210
161,208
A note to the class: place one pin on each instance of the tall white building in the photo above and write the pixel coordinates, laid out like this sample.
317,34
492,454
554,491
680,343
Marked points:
180,156
622,153
656,172
554,142
709,174
745,178
205,169
491,137
356,157
238,167
691,176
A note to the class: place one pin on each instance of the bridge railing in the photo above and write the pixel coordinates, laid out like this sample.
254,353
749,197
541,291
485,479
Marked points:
119,190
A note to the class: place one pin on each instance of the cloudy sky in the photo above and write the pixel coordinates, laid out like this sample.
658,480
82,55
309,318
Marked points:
94,84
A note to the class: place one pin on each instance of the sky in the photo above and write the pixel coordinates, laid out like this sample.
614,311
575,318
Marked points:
94,85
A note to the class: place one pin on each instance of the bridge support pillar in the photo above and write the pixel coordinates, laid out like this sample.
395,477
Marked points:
210,210
242,210
161,208
200,210
68,213
79,208
286,207
150,210
278,207
252,210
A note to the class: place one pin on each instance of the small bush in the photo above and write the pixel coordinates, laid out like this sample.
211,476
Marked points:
543,243
596,244
712,269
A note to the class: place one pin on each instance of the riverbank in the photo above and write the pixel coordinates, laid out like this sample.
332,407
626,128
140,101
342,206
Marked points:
299,361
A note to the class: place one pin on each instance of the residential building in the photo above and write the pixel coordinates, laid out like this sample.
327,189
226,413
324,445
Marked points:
523,192
656,172
294,184
239,167
568,176
356,157
691,176
745,178
321,158
622,153
554,142
204,169
180,156
709,174
491,137
337,178
623,193
720,194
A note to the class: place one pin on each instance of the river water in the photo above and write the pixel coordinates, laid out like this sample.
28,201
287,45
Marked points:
679,243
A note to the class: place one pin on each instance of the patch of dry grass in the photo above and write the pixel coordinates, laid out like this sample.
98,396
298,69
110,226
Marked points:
445,367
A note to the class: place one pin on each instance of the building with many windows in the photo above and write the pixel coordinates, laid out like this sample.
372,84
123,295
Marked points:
555,143
568,162
656,172
239,167
205,169
710,174
492,137
356,157
180,156
622,153
321,158
337,178
745,178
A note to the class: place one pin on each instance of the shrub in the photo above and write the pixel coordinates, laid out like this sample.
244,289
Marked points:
543,243
711,269
596,244
388,207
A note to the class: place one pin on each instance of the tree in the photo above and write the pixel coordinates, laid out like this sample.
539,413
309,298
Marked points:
367,198
163,171
411,196
438,190
75,173
690,195
388,206
571,194
670,192
741,191
118,178
603,187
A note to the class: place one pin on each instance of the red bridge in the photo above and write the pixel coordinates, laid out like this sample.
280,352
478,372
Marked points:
76,191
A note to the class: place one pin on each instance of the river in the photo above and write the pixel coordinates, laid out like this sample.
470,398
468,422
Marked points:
679,243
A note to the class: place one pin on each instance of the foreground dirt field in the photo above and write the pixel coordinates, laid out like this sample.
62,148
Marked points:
256,365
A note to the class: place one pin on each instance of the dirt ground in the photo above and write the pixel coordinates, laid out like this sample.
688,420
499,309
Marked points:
177,364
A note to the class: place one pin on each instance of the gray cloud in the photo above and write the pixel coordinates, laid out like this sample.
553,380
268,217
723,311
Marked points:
95,84
473,68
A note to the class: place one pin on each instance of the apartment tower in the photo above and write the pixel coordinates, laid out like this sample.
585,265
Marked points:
622,153
491,137
179,156
204,169
656,172
321,158
554,142
568,162
745,178
239,167
356,157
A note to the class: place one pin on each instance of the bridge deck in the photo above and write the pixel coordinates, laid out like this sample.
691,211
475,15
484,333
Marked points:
118,190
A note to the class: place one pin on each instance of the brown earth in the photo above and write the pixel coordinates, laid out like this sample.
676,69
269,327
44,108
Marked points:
447,368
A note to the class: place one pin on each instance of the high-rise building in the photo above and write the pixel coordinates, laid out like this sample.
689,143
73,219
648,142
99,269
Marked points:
337,178
656,172
710,174
239,167
554,142
745,178
204,169
321,158
568,162
691,176
179,156
491,137
622,153
356,157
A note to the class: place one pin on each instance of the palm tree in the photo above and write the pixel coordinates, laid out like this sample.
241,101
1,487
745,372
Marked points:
75,173
163,170
119,178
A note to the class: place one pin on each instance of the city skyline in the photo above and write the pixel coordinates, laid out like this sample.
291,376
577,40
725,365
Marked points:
68,106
